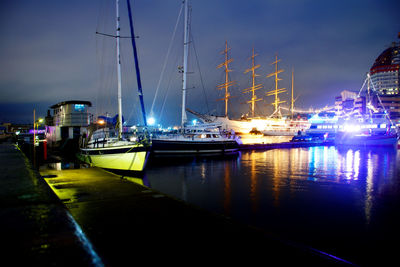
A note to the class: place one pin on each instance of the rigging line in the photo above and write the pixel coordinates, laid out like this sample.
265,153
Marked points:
100,14
101,81
166,94
105,76
380,101
99,55
359,92
114,36
126,84
165,61
201,76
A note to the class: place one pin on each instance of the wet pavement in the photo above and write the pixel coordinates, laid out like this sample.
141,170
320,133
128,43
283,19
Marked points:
90,217
36,229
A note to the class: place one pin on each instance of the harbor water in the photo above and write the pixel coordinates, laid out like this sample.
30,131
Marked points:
342,201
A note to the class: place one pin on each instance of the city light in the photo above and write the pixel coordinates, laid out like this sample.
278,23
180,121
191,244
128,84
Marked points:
151,121
351,127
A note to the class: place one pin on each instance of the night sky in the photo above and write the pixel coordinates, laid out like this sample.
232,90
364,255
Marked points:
49,53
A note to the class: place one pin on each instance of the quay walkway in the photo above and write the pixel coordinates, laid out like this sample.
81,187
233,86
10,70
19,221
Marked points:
90,217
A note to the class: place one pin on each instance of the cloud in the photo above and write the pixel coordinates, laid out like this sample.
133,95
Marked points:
52,54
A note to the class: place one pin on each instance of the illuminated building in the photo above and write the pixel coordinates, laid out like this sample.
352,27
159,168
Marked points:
350,102
69,121
385,79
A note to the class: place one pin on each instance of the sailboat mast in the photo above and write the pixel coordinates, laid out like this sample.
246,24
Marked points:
139,82
277,90
227,83
292,103
119,71
254,86
226,80
185,56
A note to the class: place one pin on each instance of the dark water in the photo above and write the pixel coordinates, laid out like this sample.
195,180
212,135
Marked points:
345,202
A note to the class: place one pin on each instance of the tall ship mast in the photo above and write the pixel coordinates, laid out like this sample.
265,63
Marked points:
277,91
292,99
254,86
275,124
227,83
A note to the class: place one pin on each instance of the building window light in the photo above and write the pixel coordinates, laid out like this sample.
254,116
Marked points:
79,107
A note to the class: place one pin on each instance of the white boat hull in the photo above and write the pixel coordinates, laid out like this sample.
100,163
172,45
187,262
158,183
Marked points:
279,133
176,146
128,158
367,140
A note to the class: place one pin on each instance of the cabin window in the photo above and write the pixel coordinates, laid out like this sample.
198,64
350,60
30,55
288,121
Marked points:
79,107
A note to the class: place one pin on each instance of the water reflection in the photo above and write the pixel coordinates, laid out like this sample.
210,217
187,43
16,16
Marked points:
137,180
227,189
251,175
64,165
257,139
317,195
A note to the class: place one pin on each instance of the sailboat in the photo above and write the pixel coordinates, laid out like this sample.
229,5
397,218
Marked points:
107,147
201,139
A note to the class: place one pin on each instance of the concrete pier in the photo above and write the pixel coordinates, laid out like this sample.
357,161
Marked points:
90,217
35,227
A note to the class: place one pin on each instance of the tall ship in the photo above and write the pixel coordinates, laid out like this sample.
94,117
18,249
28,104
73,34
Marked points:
275,124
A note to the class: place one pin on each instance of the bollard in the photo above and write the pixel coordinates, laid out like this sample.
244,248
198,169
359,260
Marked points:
45,149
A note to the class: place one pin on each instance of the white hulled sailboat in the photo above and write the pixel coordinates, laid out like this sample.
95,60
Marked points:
201,139
107,147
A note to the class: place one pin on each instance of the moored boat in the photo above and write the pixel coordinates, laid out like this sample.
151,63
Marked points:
203,139
350,139
110,149
106,150
196,140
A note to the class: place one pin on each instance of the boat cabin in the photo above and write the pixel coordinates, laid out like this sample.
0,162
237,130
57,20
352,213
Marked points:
69,121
